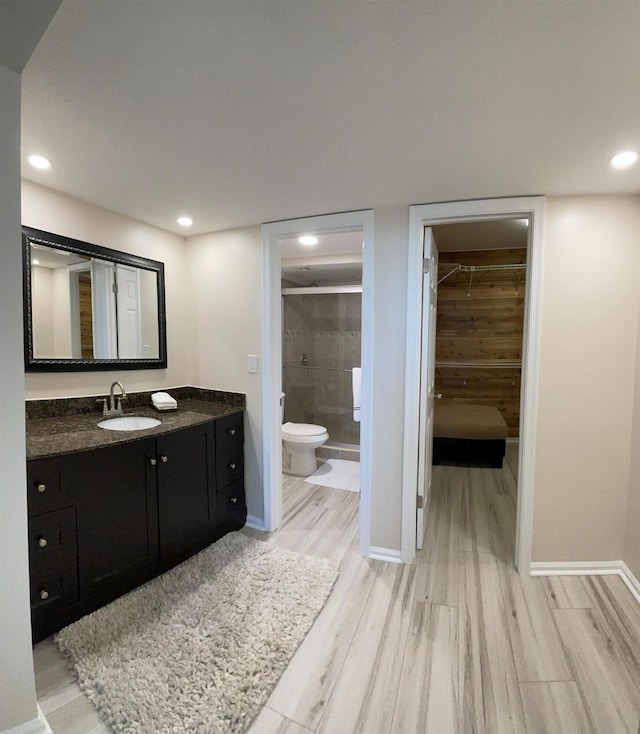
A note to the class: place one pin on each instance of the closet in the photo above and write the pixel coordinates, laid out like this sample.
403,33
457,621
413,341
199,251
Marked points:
480,315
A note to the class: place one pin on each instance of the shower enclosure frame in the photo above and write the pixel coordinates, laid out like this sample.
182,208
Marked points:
332,290
272,233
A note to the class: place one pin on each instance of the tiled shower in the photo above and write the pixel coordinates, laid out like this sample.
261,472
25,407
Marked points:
320,347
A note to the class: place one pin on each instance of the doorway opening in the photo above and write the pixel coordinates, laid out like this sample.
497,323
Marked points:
453,368
317,352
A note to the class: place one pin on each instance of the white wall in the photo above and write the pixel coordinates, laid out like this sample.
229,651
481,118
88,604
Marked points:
43,208
225,282
17,689
389,345
589,328
632,531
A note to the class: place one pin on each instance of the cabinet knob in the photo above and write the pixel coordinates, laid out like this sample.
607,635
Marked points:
153,462
234,500
232,431
44,594
164,459
42,542
41,487
232,466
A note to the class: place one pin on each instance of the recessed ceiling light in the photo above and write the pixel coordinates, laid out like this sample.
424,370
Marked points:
308,240
624,160
39,161
184,221
35,261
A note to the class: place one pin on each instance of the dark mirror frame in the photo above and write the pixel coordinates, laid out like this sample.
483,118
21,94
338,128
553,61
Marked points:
35,364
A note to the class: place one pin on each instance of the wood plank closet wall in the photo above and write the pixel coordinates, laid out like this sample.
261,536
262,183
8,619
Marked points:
480,319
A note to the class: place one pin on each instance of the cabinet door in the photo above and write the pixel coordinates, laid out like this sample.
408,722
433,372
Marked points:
185,480
117,519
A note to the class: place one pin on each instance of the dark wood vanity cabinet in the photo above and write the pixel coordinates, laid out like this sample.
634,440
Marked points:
102,522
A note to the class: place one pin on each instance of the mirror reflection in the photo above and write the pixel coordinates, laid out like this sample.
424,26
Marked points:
88,307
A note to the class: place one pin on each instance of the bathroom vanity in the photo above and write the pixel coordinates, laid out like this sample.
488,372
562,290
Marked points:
110,510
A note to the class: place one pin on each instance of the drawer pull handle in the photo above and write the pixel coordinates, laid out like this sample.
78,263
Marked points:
232,431
44,594
42,542
232,466
234,500
41,487
153,462
164,459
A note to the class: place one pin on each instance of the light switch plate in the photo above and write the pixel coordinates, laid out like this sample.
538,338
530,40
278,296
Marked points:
252,364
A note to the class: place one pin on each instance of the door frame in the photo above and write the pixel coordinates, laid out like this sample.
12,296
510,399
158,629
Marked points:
272,233
426,215
427,378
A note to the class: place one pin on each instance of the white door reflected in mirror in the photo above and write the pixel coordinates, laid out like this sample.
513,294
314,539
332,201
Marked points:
87,308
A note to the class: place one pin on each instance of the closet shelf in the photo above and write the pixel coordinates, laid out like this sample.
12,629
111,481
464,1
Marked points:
482,363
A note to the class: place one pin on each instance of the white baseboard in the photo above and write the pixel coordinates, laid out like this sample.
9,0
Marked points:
256,523
35,726
589,568
385,554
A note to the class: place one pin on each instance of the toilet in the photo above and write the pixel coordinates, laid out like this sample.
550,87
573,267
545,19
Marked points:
299,444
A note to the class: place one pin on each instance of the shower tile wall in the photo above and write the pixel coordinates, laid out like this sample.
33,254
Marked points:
326,329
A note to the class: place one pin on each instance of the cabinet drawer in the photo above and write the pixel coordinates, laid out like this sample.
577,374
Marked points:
232,509
229,450
53,559
53,587
45,490
229,434
53,538
229,468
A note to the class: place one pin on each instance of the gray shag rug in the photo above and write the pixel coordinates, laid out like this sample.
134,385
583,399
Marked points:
200,648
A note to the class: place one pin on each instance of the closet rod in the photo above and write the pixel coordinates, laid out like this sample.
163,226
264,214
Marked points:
478,268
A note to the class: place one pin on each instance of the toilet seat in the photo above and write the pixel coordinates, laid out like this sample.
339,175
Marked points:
302,430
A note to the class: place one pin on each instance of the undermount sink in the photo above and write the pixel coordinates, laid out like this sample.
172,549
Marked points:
129,423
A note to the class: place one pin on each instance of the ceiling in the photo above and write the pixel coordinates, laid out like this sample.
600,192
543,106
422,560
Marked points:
496,234
22,23
238,113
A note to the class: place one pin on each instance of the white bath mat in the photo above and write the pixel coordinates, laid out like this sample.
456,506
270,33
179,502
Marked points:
337,474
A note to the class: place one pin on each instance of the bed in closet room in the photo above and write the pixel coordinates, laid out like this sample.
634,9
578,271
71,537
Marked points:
469,434
479,334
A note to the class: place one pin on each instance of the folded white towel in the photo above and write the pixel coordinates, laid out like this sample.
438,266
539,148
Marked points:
356,377
163,401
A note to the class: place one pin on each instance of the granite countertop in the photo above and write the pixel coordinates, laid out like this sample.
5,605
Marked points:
73,433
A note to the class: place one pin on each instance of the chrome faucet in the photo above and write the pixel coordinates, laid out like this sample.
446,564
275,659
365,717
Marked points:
113,410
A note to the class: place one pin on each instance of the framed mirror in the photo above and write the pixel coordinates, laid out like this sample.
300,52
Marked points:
87,307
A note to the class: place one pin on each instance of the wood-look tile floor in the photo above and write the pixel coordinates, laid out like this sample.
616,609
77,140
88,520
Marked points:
457,642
